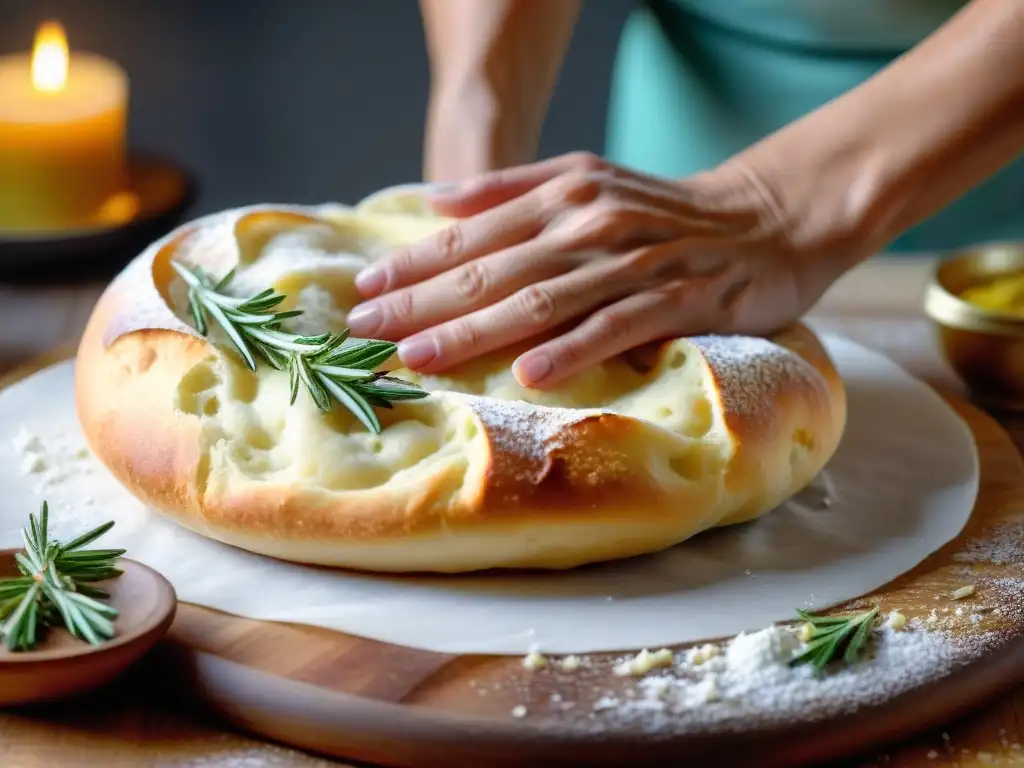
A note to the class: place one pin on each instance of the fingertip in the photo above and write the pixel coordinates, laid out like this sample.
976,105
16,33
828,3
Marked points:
532,369
418,352
371,281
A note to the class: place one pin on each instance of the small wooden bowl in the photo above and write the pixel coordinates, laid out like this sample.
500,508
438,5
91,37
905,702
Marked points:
62,665
985,348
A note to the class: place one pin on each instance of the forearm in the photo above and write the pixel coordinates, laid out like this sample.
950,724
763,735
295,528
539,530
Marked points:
870,165
494,65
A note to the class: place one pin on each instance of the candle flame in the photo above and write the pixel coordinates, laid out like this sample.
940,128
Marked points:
50,58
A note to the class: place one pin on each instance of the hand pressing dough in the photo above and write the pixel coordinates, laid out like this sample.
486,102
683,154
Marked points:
627,458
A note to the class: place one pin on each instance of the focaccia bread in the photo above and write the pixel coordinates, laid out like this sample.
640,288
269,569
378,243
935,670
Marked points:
625,459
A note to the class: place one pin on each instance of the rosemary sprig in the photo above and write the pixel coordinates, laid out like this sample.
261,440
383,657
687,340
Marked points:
331,367
834,637
56,587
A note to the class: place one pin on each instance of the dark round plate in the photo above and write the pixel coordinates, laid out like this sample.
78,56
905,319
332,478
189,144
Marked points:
164,191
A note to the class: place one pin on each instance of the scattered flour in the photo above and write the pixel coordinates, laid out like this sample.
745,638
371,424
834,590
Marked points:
51,459
1002,545
748,681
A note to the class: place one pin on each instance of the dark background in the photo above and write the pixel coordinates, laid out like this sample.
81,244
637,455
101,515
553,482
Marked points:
296,101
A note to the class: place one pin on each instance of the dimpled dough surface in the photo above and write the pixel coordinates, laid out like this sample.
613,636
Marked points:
627,458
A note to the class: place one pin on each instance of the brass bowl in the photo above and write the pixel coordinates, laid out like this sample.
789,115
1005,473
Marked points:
984,347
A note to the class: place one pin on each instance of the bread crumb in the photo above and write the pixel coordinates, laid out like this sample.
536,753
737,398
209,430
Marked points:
518,711
896,620
706,652
570,663
932,754
806,632
644,662
32,463
534,659
965,591
985,757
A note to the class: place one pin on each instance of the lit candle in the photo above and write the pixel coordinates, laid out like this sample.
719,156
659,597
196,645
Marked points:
62,135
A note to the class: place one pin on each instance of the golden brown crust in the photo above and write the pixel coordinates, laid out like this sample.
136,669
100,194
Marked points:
506,485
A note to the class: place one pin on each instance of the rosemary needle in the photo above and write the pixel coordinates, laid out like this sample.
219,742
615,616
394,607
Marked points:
331,367
56,587
835,637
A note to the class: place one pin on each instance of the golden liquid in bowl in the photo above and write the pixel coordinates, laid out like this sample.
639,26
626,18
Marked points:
1000,294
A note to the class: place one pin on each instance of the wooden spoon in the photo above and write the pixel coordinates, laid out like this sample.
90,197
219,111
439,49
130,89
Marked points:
62,665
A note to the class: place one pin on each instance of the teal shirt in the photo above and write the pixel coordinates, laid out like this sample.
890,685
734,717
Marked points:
698,80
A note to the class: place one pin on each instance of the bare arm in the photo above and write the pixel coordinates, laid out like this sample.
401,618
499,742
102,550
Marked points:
493,66
866,167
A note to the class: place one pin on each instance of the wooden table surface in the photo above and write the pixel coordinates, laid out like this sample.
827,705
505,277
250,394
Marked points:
128,724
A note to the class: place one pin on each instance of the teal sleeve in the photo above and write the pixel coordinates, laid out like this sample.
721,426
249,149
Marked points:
688,92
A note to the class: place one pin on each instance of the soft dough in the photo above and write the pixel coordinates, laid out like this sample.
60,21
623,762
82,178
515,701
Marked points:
624,459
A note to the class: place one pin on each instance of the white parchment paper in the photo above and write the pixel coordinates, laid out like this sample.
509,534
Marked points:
901,485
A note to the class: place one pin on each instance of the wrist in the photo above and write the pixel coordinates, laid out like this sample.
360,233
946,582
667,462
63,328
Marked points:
471,129
826,196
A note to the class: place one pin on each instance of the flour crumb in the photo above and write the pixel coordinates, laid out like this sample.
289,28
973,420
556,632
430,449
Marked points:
534,659
701,654
33,464
964,591
644,662
896,620
571,663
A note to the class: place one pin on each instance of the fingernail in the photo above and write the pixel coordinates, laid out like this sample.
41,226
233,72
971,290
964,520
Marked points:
364,319
371,281
417,351
532,369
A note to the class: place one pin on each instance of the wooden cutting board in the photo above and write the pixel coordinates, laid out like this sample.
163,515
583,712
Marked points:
389,705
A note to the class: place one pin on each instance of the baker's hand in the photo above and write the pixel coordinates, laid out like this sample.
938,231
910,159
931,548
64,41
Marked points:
591,258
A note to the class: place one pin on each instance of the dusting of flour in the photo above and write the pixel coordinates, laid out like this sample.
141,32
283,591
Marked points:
751,369
522,429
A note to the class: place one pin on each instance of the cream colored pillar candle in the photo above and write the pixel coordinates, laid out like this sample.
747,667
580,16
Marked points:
62,135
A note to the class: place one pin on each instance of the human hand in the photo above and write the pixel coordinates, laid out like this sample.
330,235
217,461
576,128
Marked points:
592,260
